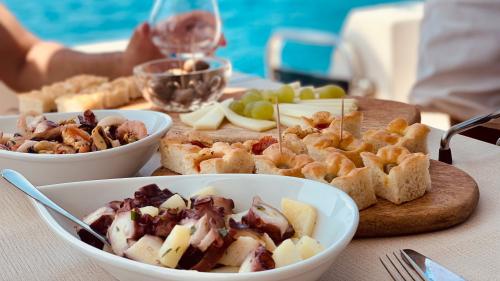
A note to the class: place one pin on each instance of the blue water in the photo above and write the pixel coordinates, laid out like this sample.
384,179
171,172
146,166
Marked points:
247,24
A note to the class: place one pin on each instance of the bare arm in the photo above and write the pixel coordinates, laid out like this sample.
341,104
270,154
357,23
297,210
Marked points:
28,63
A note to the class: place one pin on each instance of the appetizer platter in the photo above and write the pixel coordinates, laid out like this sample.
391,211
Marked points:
377,113
385,170
374,150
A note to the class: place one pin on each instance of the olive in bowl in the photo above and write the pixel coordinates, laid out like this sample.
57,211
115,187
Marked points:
182,84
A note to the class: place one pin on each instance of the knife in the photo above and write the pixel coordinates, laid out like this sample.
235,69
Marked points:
428,269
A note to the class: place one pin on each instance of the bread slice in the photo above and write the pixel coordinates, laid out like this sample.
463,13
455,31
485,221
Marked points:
397,132
352,123
44,100
320,145
134,91
293,136
83,82
222,158
339,171
323,119
398,175
35,102
285,163
80,102
116,93
179,157
191,158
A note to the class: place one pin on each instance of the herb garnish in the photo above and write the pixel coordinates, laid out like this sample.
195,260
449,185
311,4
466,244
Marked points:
134,215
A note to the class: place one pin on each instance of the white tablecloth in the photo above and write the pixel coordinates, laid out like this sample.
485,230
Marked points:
30,251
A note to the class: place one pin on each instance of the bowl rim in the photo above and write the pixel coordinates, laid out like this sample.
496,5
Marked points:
135,266
138,70
165,119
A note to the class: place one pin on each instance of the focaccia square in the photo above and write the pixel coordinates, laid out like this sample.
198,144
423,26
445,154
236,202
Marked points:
179,157
196,157
293,136
222,158
323,120
399,176
285,163
320,145
397,132
339,171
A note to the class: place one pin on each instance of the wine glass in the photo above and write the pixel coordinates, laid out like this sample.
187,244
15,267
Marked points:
185,26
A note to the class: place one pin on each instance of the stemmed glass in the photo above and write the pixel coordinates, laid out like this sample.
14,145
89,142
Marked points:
185,26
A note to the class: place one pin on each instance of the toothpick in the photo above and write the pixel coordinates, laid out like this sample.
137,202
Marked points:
278,125
342,120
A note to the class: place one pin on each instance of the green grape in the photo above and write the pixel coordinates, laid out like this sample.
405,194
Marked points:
286,94
331,92
270,96
262,110
248,109
251,96
237,106
306,94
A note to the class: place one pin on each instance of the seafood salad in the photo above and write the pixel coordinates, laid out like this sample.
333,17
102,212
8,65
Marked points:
204,233
81,134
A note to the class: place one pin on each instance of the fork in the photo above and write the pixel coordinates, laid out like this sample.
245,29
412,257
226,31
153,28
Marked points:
400,269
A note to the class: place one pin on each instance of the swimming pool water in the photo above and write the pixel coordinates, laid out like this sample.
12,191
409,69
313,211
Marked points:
247,24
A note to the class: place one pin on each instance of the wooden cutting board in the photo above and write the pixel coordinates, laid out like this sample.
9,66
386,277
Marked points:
452,199
376,114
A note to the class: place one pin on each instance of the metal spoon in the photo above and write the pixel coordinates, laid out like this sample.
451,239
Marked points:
19,181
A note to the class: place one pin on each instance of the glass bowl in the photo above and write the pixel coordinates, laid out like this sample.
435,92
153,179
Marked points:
181,84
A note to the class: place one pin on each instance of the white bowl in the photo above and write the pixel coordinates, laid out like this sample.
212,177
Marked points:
337,220
123,161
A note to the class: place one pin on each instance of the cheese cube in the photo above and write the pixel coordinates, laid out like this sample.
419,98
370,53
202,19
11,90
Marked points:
300,215
174,202
286,253
308,247
150,210
174,246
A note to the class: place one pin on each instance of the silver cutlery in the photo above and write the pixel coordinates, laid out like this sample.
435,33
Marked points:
19,181
398,269
408,265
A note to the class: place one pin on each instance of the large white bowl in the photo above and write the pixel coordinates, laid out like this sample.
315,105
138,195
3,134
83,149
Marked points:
337,220
123,161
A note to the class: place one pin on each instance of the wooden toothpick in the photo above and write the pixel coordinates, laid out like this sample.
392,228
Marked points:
278,125
341,119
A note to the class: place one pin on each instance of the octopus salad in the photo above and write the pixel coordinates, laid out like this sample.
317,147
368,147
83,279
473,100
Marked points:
78,135
204,233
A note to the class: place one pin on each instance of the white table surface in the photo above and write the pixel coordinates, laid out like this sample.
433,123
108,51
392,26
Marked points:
30,251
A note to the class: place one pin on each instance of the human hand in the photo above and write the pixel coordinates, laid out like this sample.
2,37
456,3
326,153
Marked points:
140,49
